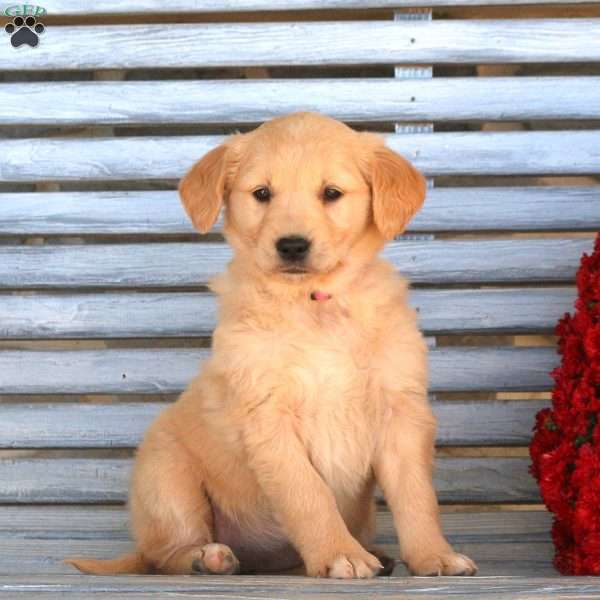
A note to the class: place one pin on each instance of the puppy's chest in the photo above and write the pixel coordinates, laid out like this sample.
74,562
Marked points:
315,364
332,341
331,352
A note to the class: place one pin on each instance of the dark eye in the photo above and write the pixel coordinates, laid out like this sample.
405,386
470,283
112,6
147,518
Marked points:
330,194
262,194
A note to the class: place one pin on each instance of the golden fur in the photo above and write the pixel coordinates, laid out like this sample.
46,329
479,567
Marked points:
268,461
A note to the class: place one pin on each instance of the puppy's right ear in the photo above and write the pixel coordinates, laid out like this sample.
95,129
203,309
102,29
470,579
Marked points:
202,190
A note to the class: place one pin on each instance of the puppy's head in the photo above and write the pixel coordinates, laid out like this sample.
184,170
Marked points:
302,192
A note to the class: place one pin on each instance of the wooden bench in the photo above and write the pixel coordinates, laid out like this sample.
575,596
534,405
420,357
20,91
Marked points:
104,313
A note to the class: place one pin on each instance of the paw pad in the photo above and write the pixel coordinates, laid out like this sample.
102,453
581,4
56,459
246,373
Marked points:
24,31
215,559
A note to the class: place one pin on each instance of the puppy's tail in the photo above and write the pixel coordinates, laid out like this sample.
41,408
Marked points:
133,564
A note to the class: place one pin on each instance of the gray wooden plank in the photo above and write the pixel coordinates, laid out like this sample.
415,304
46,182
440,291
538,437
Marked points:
161,212
81,522
82,213
193,264
169,370
102,481
191,314
504,310
38,522
159,371
254,101
475,368
460,423
111,315
75,425
510,208
290,588
309,43
45,556
189,7
494,423
169,157
35,538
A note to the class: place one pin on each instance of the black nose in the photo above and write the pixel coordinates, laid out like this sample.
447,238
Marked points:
293,248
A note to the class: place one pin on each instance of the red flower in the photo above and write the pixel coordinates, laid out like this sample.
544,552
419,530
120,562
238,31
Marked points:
565,449
591,342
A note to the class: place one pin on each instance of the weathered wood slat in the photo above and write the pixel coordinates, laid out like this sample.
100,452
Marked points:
189,7
111,523
44,556
160,212
110,315
35,539
460,423
81,213
193,264
83,522
191,314
169,370
101,481
104,371
292,588
169,157
510,208
491,310
495,423
310,43
254,101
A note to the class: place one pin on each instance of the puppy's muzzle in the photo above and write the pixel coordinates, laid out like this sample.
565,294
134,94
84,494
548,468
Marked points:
292,249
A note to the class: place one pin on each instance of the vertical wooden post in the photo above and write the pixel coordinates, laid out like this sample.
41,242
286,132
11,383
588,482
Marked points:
414,72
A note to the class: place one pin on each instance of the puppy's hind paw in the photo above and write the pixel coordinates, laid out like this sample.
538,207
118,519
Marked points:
215,559
387,562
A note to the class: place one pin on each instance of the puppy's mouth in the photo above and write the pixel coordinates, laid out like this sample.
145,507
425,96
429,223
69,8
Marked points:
299,269
294,270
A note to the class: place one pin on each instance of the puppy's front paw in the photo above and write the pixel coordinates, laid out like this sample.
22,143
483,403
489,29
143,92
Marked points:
446,563
349,565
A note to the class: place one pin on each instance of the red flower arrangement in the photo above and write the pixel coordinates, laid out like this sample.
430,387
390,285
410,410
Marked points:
565,449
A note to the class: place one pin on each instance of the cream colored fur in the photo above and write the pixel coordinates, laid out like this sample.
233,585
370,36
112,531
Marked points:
268,461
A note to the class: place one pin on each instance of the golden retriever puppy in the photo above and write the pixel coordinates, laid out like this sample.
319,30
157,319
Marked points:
316,388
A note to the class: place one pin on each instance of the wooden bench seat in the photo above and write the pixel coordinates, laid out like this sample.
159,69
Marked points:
35,538
104,310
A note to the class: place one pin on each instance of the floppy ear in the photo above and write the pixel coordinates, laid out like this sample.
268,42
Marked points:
202,190
398,191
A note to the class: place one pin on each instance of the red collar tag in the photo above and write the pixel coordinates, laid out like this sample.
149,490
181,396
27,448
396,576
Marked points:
320,296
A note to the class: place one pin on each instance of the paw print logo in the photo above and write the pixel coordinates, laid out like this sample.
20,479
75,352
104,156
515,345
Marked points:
24,31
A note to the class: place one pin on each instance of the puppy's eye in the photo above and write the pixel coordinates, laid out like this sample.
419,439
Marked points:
262,194
331,194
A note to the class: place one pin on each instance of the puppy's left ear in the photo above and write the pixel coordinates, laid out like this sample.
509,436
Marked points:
203,188
397,188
